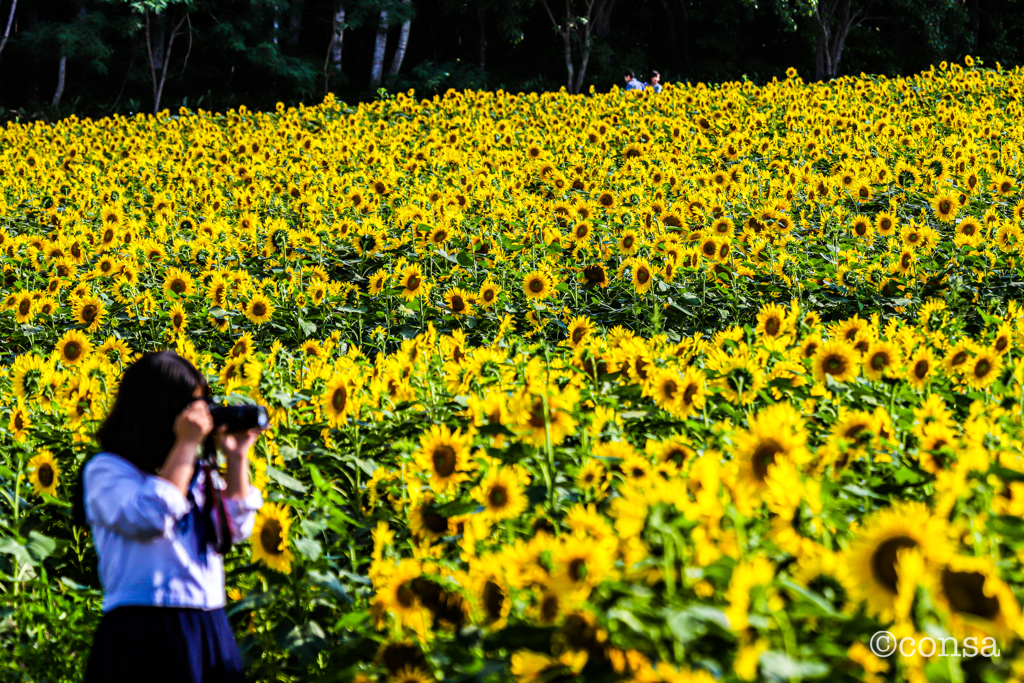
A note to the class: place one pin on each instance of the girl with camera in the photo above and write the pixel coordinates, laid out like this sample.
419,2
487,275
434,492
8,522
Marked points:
161,518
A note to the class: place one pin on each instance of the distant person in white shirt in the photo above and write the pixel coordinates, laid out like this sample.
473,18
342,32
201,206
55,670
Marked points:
655,83
160,519
632,83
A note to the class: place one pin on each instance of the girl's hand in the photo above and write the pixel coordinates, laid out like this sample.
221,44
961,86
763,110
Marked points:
193,424
236,444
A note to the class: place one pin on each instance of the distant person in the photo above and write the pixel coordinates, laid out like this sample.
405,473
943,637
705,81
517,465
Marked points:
655,83
631,82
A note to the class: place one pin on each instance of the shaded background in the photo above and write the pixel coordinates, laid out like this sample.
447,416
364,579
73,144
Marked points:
260,52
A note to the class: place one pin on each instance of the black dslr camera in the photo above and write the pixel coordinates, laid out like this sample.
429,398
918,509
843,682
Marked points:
239,418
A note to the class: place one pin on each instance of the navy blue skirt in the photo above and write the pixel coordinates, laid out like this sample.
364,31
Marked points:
157,644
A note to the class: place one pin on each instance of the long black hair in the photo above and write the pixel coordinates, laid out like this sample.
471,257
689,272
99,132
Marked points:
140,426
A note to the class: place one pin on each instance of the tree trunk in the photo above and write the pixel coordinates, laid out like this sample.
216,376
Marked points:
295,23
62,67
332,65
403,42
570,69
61,72
160,56
578,85
379,46
834,21
7,29
482,60
339,35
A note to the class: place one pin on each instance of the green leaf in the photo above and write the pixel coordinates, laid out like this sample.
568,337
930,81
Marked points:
286,480
331,583
40,547
309,548
778,666
308,329
10,546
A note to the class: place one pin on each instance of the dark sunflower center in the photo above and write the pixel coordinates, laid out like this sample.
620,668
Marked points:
944,206
834,365
577,569
966,593
406,596
879,361
493,599
536,285
772,326
89,313
921,368
669,388
270,537
497,497
72,350
45,474
883,560
413,283
764,456
25,306
444,460
982,368
259,309
339,398
642,276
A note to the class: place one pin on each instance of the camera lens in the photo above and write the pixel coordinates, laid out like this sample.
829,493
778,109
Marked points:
240,418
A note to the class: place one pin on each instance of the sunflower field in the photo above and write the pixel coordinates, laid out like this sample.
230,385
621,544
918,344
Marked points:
706,385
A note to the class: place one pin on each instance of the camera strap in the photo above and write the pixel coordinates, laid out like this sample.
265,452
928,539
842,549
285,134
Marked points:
212,519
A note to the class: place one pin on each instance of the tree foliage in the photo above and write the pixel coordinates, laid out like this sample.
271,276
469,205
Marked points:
260,52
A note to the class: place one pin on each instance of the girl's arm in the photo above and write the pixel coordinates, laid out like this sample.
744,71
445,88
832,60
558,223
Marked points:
190,428
133,504
241,500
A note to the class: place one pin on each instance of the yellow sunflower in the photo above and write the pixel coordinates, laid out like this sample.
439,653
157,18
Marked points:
24,307
945,206
488,294
43,473
873,557
444,455
983,369
642,276
72,347
459,301
339,399
537,285
270,537
920,367
501,494
774,434
579,330
881,359
836,359
978,601
411,281
20,422
259,309
178,282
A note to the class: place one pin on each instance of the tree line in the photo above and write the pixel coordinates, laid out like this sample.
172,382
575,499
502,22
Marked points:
103,56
